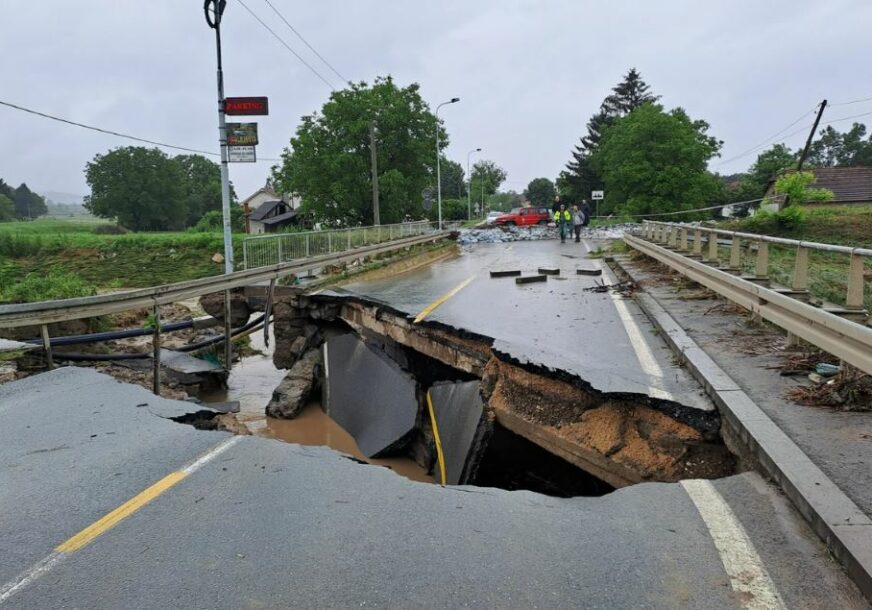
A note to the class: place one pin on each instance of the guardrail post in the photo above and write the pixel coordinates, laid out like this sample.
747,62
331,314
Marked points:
330,242
855,283
683,242
46,345
712,257
245,253
280,252
390,231
348,233
736,254
155,358
364,235
697,242
761,270
800,269
228,333
307,246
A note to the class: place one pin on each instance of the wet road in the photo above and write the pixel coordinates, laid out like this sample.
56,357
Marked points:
248,522
602,337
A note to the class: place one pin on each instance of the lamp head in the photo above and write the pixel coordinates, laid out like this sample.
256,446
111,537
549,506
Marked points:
454,99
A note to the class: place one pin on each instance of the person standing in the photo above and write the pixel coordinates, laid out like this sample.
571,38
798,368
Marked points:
577,222
564,220
556,205
585,209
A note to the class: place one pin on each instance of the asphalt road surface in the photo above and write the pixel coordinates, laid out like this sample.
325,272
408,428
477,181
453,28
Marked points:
259,523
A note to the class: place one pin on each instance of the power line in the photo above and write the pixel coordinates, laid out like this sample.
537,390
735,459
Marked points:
114,133
286,45
306,42
770,139
845,118
865,99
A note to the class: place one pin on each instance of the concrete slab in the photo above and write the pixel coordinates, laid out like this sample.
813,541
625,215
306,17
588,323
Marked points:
458,409
557,324
368,395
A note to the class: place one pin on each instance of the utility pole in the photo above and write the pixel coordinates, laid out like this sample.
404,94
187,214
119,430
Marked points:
376,220
469,185
214,20
805,150
453,100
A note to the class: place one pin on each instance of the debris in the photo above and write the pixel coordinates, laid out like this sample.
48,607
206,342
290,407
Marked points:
530,279
849,390
589,271
217,258
815,378
625,289
825,369
505,273
293,393
549,270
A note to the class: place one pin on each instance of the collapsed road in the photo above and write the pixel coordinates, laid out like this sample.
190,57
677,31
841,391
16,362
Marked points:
113,501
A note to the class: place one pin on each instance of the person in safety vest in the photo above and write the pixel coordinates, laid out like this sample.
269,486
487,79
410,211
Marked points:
564,220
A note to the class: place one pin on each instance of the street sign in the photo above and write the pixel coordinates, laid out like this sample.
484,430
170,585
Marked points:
241,154
241,134
427,195
250,106
597,195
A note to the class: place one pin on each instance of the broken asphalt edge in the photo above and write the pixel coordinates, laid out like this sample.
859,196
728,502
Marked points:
835,518
706,422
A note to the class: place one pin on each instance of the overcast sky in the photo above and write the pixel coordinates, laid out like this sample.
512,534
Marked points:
529,73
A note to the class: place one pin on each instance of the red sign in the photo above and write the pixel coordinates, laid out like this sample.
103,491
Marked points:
246,106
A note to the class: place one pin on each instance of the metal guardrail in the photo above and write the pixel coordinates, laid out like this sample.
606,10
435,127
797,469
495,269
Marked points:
838,335
264,250
677,236
46,312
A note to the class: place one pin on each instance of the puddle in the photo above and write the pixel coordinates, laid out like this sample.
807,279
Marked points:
314,427
252,381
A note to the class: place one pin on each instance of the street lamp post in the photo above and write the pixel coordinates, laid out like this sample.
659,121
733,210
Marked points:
438,169
469,185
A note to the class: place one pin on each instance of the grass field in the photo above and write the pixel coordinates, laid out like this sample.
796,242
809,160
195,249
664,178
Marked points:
60,258
844,225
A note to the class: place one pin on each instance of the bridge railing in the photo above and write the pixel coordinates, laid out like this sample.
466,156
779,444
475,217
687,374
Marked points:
704,243
840,329
274,249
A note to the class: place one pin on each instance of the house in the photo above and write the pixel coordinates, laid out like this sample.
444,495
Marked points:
257,212
270,217
850,185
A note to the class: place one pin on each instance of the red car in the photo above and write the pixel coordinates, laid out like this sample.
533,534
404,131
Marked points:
523,217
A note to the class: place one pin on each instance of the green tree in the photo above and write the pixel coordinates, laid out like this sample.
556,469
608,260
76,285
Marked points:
453,179
847,149
328,161
142,188
654,161
201,185
580,177
768,164
540,192
487,177
27,203
504,201
7,208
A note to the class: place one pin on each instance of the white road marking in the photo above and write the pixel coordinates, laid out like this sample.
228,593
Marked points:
644,355
48,562
211,454
743,565
37,570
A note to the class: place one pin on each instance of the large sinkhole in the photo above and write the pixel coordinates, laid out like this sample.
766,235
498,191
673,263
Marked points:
491,428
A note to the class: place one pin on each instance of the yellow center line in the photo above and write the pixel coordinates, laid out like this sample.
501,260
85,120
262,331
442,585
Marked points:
432,306
111,519
439,455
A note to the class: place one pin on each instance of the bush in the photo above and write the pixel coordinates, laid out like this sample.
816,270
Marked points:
213,221
39,286
790,219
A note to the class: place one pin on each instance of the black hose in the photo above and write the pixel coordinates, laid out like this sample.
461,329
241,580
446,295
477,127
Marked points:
113,334
81,357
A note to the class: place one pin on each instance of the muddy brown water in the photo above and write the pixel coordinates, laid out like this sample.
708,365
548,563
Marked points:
252,381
